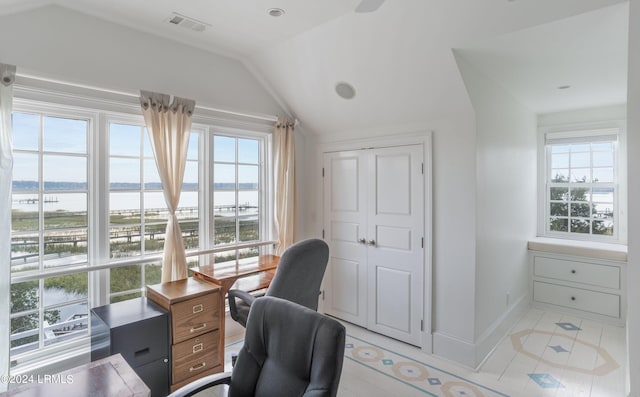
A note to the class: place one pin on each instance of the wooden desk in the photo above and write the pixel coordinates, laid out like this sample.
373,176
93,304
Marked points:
110,376
226,275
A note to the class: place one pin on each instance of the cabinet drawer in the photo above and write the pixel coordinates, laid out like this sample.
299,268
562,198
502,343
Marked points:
195,316
197,366
578,272
195,348
577,298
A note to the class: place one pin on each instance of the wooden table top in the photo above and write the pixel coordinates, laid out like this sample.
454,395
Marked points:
226,273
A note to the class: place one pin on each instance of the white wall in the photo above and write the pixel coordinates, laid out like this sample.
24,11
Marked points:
58,43
505,205
633,166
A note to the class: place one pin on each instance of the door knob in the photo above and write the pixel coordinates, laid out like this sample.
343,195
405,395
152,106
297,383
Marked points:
362,241
372,242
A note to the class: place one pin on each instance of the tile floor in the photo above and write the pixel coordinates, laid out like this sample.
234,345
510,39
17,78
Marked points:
545,354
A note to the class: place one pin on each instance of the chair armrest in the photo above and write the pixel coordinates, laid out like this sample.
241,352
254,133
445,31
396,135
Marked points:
242,295
223,378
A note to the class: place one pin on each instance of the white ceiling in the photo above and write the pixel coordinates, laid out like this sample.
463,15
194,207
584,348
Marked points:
399,58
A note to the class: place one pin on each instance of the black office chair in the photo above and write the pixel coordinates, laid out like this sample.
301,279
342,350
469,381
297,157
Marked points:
297,279
280,359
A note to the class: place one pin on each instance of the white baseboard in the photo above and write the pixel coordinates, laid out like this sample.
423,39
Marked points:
472,354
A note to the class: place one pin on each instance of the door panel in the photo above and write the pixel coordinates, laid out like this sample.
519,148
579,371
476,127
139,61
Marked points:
393,291
345,225
395,220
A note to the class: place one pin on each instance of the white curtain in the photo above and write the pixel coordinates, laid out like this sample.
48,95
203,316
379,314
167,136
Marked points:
169,125
285,183
7,77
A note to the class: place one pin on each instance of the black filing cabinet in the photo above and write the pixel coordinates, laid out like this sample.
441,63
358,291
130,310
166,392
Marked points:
138,329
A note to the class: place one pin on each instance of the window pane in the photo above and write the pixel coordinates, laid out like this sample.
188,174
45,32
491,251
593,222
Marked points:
580,175
602,147
224,177
192,151
603,194
581,210
151,176
125,241
559,209
62,289
25,251
24,333
558,224
188,206
559,175
248,151
154,237
152,273
124,208
26,128
66,322
559,193
560,148
25,172
560,160
148,149
190,181
603,175
125,297
249,229
124,140
24,296
63,248
579,226
124,174
583,147
248,177
64,173
248,203
65,210
155,207
64,135
603,228
225,230
580,194
603,159
224,149
190,234
24,212
125,278
224,203
603,210
580,160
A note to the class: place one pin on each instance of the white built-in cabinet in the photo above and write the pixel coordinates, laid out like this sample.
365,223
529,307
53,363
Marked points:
374,223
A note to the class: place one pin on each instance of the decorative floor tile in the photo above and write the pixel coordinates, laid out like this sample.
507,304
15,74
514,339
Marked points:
569,327
546,381
559,349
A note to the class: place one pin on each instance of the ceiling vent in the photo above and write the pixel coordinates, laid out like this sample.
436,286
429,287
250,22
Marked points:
186,22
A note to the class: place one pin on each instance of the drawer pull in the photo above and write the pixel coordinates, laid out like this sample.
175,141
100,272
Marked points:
573,298
197,348
198,367
197,308
573,271
198,328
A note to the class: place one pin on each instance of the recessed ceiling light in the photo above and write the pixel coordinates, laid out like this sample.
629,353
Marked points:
564,87
345,90
275,12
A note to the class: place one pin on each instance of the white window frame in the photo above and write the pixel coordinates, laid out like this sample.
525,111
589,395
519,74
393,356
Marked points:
101,108
581,132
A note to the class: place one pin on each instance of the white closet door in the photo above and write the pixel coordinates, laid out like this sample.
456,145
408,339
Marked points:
344,225
395,254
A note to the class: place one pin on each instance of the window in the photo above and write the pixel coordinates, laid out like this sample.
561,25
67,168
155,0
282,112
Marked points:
49,227
581,183
89,215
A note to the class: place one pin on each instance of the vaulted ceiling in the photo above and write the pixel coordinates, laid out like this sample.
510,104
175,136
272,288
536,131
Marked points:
399,57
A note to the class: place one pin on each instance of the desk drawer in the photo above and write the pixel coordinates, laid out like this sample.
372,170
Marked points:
578,272
194,367
577,298
195,316
195,348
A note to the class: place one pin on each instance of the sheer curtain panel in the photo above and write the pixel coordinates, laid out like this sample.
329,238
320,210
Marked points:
169,125
285,182
7,77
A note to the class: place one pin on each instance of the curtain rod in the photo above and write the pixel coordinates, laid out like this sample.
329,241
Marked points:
132,95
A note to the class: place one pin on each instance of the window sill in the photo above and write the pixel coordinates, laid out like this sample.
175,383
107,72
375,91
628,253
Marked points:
614,252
